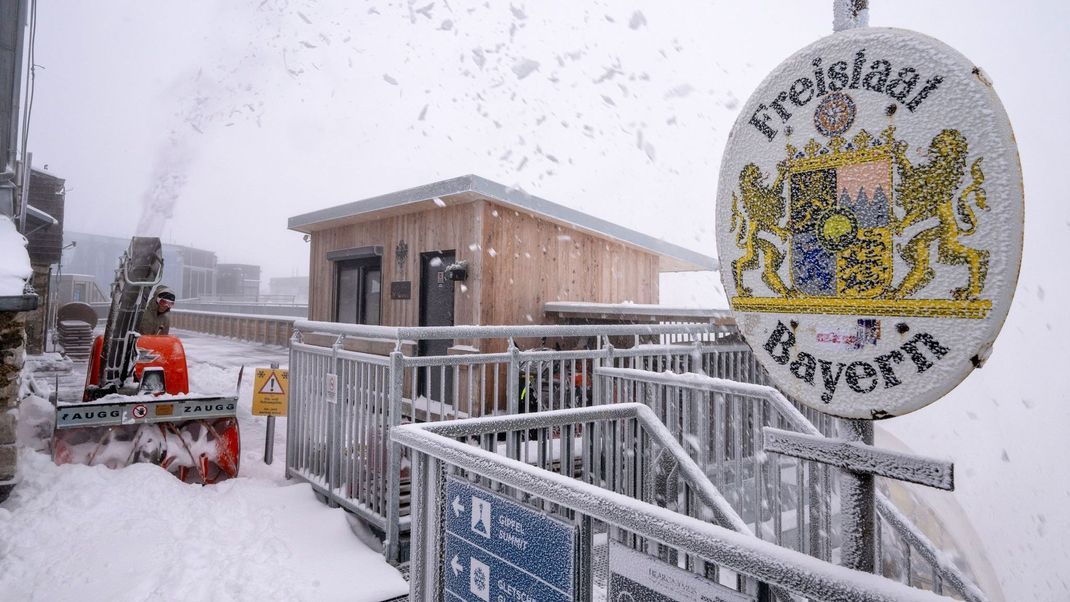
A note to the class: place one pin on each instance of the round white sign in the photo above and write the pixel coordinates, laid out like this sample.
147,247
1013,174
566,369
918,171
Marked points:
869,221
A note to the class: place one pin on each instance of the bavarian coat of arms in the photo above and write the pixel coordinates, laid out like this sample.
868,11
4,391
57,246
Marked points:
834,213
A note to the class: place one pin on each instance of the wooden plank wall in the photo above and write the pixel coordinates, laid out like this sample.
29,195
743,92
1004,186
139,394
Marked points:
518,263
453,227
535,261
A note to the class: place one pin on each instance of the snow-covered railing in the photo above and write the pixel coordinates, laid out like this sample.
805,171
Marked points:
574,481
340,446
783,500
339,443
257,328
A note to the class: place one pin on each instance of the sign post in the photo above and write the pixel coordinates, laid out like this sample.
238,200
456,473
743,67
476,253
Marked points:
270,395
869,225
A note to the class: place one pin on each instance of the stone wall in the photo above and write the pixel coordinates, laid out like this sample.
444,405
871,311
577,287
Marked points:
12,354
36,320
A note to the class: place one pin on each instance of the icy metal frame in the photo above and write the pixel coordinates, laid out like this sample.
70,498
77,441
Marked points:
437,448
339,447
817,497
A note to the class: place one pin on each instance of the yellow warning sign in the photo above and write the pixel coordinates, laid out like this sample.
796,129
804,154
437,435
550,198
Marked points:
270,392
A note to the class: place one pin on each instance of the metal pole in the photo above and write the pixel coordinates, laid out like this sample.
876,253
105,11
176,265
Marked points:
857,492
392,548
24,188
857,504
849,14
269,438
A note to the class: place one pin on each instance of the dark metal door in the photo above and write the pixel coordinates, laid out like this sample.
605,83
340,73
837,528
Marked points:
436,309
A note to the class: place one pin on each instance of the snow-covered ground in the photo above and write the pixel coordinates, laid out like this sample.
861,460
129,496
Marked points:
89,533
618,109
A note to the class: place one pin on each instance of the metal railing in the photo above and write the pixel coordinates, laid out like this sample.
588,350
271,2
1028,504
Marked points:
339,444
783,500
588,478
269,329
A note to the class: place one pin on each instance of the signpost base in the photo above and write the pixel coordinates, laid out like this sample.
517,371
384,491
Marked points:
857,509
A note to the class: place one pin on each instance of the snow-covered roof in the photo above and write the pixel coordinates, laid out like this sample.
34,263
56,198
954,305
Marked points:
636,311
470,188
15,267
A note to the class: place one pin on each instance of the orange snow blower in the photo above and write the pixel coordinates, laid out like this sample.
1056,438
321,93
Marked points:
136,406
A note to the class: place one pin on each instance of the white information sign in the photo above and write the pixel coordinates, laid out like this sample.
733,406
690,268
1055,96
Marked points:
869,221
637,577
331,388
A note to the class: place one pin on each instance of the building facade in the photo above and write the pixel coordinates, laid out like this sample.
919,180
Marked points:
189,271
44,235
472,251
237,281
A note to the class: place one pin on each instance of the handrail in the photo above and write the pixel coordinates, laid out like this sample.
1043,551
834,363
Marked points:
884,506
722,386
235,315
723,512
400,333
739,552
906,529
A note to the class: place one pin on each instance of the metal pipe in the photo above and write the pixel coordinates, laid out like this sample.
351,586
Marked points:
857,493
269,437
393,477
849,14
501,332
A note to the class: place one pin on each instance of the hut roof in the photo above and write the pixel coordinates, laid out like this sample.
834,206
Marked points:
469,188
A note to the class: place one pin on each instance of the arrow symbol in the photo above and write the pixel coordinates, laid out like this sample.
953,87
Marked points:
458,507
456,566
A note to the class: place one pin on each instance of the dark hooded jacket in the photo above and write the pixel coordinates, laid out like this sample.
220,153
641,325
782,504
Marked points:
152,321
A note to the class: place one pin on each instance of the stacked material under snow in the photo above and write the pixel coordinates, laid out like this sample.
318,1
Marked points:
14,261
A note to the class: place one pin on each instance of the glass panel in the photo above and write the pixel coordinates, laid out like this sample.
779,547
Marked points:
347,291
372,294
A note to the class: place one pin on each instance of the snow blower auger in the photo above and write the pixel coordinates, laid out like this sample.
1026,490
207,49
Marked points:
136,406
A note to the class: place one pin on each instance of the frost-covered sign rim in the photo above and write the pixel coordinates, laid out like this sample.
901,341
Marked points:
869,221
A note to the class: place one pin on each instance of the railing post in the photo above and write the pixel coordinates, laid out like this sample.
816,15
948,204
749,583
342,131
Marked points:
696,357
418,532
334,449
293,410
607,362
392,547
857,495
512,395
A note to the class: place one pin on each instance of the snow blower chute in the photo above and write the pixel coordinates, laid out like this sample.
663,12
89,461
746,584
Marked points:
136,406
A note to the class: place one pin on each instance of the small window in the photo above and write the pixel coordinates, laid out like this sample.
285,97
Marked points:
358,291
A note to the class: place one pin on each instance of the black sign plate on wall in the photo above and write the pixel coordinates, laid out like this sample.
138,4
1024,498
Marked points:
401,290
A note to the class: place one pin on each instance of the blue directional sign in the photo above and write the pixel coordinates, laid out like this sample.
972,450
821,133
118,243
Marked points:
497,549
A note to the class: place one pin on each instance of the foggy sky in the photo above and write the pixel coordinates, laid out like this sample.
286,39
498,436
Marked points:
617,108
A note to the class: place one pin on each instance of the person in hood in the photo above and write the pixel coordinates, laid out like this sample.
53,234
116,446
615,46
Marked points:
154,320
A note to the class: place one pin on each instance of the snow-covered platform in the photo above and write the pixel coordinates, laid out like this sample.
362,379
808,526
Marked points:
80,532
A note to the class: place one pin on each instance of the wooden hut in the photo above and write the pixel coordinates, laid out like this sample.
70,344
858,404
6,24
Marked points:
472,251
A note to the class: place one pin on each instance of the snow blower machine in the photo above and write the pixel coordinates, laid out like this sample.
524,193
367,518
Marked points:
136,406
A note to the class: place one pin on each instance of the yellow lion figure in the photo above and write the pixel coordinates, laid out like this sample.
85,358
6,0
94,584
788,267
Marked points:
764,208
928,191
